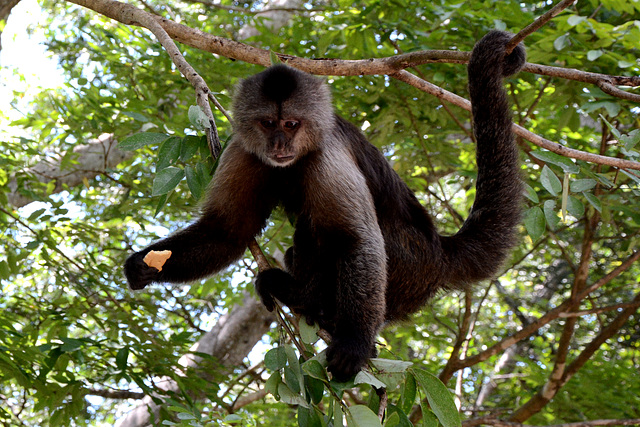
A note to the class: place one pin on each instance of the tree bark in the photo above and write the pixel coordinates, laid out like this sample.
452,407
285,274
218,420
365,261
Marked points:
93,159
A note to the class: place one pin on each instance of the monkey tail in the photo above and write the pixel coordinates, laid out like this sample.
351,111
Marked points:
483,243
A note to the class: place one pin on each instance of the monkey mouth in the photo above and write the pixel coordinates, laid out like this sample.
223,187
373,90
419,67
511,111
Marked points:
282,158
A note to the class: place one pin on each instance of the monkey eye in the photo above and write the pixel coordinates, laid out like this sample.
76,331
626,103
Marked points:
268,124
291,124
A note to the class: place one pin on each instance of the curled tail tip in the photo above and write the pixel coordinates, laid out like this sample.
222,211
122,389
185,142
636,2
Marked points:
493,46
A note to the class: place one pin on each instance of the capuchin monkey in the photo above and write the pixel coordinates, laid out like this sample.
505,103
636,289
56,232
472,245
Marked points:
365,252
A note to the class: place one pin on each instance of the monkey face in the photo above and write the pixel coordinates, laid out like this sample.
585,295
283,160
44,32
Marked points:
282,114
282,148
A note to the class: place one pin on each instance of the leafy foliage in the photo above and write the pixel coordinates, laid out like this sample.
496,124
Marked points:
78,348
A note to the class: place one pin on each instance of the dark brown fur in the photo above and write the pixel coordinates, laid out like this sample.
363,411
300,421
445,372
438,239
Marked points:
365,251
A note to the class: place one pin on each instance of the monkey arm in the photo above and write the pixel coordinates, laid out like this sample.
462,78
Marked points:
238,206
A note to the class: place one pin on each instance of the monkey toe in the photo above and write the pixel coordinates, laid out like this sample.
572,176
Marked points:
346,358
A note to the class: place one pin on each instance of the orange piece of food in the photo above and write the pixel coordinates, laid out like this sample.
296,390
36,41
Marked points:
156,259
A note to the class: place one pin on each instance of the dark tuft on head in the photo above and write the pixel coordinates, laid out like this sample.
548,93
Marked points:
279,83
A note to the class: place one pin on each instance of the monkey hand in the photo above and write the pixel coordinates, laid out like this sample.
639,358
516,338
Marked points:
493,46
138,273
347,356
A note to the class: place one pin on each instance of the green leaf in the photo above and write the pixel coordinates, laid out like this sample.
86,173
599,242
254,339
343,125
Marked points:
593,201
166,180
232,419
575,207
314,369
392,421
592,55
402,420
631,139
390,365
362,416
168,153
70,345
630,175
275,59
364,377
288,396
551,214
562,42
193,182
550,181
136,116
4,270
308,417
198,118
185,416
121,358
308,332
271,386
534,222
611,127
530,193
189,147
580,185
408,395
565,195
439,398
556,159
275,359
575,20
429,419
292,379
315,389
162,200
141,139
36,214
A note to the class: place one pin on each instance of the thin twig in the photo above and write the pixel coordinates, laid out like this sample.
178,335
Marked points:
537,24
600,309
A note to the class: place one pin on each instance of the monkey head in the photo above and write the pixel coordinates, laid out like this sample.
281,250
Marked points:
281,114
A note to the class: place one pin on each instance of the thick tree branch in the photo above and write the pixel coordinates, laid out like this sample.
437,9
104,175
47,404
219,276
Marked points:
231,49
91,160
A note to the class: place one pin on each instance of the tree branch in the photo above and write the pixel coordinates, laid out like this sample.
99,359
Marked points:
555,147
91,160
492,421
149,21
537,24
115,394
393,65
551,387
548,317
231,49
